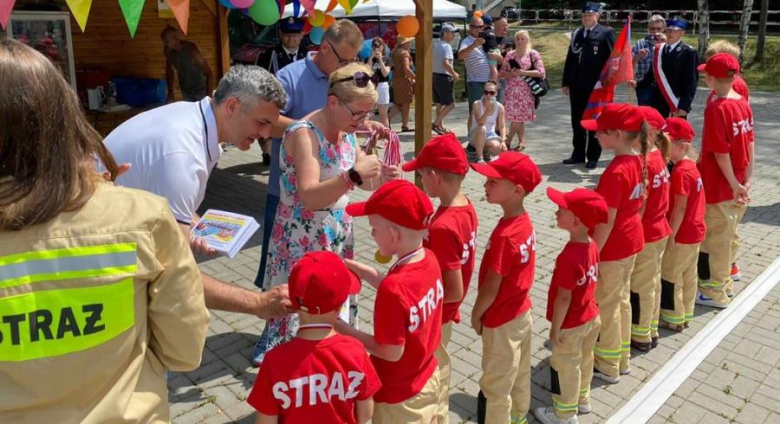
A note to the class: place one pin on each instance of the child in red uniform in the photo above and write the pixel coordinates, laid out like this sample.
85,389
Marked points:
452,237
622,184
571,305
740,86
408,306
726,169
502,311
679,274
646,277
320,376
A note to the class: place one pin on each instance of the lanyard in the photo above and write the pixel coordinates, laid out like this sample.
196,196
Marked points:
405,258
206,129
315,327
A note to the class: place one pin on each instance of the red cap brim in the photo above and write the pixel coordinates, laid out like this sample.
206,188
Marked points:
357,209
557,197
486,170
354,283
590,124
702,67
412,165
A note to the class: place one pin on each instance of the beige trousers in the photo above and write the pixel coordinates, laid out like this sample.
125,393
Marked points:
678,284
613,348
443,408
645,286
420,408
571,367
506,370
721,244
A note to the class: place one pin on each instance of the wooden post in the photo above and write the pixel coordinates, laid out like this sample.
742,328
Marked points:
423,96
223,40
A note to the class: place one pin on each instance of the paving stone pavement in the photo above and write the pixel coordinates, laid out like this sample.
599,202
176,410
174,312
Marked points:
738,382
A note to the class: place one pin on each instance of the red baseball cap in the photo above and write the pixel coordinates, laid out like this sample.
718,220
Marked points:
679,129
722,65
587,205
443,152
652,117
320,283
513,166
616,116
399,202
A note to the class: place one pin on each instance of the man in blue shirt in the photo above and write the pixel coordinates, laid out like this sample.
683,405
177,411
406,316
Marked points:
642,54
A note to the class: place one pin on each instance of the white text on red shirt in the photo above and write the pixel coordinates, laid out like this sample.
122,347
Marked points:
319,389
426,305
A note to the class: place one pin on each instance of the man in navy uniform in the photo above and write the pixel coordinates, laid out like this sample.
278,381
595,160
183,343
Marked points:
285,53
591,46
673,77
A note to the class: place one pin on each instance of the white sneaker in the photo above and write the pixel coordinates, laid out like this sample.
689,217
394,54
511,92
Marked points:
605,378
706,301
547,416
626,371
480,160
584,408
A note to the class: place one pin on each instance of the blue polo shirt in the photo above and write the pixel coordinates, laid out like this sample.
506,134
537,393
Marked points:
307,91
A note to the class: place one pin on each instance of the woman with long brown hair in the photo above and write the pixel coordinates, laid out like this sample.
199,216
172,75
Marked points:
99,293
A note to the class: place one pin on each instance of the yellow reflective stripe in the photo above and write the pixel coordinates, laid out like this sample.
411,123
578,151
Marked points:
67,264
518,420
68,252
710,284
51,323
673,319
640,331
585,390
607,353
564,407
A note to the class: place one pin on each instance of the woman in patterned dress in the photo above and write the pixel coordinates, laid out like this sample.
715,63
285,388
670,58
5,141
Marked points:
403,80
519,100
316,157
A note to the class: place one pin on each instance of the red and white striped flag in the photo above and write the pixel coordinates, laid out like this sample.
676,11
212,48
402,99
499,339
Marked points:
618,69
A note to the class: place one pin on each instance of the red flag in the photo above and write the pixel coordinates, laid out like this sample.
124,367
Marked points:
618,69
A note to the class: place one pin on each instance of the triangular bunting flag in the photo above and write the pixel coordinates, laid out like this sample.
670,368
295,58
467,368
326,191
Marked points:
132,10
80,10
5,11
181,10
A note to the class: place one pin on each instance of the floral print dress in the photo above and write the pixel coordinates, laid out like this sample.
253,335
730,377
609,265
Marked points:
519,100
298,230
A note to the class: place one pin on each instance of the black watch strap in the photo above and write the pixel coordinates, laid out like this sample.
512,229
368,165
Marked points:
354,176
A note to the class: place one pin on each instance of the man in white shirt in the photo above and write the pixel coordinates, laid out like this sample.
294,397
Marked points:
174,148
476,60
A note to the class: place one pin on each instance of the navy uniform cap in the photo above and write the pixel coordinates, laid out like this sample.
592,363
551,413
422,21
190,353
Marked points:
592,7
291,25
677,23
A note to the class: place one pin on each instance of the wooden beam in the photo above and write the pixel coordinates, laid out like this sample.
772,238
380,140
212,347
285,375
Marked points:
223,39
211,5
423,96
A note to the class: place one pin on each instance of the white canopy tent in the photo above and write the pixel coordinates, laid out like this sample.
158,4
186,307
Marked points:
443,10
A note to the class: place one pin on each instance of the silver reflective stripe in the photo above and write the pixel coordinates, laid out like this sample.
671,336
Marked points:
67,264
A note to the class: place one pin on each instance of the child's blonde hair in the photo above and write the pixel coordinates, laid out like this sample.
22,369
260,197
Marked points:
449,177
721,46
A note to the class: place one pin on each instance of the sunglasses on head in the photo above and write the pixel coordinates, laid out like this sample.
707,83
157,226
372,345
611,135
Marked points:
360,79
490,92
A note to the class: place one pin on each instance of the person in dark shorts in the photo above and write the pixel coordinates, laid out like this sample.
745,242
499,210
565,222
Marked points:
444,77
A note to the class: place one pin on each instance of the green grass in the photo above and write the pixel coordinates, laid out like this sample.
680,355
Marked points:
553,45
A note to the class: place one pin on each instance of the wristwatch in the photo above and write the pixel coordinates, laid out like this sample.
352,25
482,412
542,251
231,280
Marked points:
354,176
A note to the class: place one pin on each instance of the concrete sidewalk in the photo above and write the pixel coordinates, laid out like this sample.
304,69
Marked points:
739,381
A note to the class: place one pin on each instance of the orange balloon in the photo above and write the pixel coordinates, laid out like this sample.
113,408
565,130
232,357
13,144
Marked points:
478,14
329,20
408,26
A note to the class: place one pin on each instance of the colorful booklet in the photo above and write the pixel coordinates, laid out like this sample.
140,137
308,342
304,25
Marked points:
225,232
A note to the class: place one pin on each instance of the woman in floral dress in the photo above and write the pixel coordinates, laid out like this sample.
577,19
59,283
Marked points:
521,62
317,155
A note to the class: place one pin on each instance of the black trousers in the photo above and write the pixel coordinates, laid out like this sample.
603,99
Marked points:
585,144
658,102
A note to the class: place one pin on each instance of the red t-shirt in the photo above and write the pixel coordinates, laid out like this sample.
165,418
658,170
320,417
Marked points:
686,180
739,86
654,223
576,269
314,381
622,187
510,253
407,312
728,128
452,237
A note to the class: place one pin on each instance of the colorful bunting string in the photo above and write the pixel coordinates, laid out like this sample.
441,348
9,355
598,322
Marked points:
5,11
181,11
80,10
132,9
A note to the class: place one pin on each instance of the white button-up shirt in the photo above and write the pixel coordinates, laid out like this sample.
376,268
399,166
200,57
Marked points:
172,150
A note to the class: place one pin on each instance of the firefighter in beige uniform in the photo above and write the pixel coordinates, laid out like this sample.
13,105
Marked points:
99,292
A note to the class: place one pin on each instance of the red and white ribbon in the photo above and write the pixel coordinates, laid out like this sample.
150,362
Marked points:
660,79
